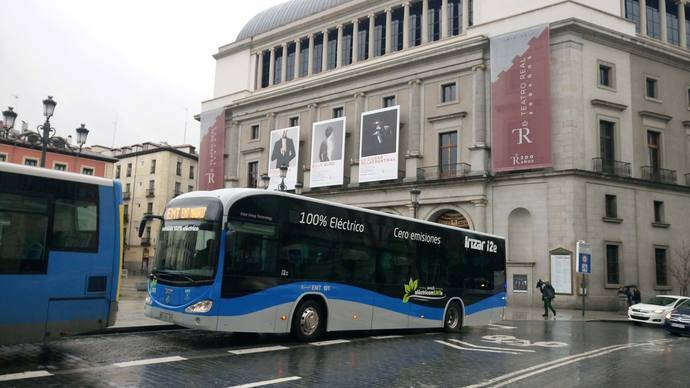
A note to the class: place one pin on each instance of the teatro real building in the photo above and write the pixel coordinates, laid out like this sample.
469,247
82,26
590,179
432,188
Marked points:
545,121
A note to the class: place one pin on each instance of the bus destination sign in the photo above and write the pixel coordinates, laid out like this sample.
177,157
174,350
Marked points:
185,213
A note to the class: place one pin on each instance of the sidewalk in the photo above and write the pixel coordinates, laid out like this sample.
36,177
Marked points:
524,313
131,308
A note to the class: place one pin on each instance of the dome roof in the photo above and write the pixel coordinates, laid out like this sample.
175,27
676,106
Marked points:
283,14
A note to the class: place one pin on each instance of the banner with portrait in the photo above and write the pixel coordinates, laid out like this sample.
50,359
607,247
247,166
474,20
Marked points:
327,153
283,150
378,151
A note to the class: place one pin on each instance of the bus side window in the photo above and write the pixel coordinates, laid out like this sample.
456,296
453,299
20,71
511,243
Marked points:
254,251
23,231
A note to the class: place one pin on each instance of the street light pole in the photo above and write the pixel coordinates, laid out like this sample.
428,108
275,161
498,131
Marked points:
265,181
283,174
48,110
8,117
414,197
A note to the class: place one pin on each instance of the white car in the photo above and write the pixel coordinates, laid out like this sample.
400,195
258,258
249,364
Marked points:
655,310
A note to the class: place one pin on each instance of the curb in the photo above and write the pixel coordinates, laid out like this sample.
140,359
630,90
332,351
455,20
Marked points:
134,329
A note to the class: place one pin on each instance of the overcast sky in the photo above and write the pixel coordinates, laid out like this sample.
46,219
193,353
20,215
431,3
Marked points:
131,65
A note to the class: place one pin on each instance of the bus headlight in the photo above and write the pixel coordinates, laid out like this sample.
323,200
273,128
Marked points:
148,300
200,307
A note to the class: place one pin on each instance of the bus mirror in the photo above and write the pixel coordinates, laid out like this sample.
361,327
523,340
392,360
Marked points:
147,218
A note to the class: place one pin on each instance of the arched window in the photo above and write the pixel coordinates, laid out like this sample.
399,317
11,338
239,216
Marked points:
453,218
520,235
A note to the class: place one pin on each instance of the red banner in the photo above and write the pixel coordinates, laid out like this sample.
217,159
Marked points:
211,150
520,100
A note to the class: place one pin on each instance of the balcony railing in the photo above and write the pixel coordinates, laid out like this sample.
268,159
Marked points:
126,195
443,171
148,214
611,167
660,175
145,241
150,193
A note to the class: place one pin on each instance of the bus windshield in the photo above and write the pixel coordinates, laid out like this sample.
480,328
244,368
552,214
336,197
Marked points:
187,249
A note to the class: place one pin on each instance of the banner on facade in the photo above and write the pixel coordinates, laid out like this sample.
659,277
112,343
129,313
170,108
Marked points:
378,151
327,153
212,150
520,100
284,150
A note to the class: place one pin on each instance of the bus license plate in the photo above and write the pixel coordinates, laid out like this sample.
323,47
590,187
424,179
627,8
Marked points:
678,325
166,317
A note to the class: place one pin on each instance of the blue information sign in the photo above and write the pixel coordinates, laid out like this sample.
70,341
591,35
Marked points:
584,257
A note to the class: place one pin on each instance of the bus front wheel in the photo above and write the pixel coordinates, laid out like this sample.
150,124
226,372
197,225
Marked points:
308,323
453,319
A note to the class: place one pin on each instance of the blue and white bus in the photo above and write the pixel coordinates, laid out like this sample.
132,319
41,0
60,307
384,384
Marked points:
245,260
60,253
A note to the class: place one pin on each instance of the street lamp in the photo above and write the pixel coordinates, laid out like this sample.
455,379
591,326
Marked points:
8,118
283,174
48,110
298,188
82,134
414,197
265,181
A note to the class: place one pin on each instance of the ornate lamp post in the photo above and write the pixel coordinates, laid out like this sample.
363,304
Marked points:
283,174
298,188
48,110
414,197
265,181
8,118
82,134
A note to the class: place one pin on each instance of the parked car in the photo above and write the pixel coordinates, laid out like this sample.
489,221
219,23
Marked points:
678,320
655,309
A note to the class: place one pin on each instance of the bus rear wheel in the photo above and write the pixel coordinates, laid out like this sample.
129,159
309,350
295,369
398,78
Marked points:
452,322
308,322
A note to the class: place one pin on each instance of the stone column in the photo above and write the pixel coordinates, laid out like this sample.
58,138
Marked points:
283,64
681,24
389,33
298,61
259,69
664,21
414,130
310,61
465,15
425,21
643,17
339,47
271,66
355,41
324,55
305,153
360,98
479,155
232,162
372,21
444,19
406,25
480,214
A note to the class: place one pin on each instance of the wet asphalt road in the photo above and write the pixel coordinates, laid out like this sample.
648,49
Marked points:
521,354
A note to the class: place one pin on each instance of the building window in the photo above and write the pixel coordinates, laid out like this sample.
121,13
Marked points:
87,170
190,188
265,68
687,25
448,154
294,121
290,74
304,57
337,112
397,29
150,192
129,170
632,12
434,20
651,88
191,172
3,157
653,19
347,45
612,264
380,35
672,30
254,132
363,40
470,13
449,92
178,189
388,101
607,145
318,53
117,172
128,186
654,149
149,208
606,75
455,17
660,265
60,166
688,96
178,170
153,166
415,32
252,174
30,162
611,206
277,65
332,49
659,216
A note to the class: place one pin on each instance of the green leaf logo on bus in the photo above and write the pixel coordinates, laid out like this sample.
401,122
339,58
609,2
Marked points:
410,288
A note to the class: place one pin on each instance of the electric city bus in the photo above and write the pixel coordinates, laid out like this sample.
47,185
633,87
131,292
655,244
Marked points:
59,253
247,260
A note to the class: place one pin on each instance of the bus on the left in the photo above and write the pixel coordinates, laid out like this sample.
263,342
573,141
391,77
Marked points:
60,253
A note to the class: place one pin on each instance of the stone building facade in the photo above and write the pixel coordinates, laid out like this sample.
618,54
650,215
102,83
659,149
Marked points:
620,123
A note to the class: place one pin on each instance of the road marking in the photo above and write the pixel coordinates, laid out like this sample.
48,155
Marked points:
149,361
502,326
25,375
267,382
382,337
474,349
258,350
531,371
491,347
331,342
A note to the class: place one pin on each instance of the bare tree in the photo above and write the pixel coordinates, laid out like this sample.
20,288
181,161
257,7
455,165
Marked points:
680,268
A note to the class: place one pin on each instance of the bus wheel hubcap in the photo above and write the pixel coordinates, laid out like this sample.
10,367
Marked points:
309,321
452,320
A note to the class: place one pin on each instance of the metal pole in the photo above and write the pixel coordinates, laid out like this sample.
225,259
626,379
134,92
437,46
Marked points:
44,141
583,294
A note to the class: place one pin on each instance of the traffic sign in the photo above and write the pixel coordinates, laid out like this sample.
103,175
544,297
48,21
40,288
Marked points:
584,257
